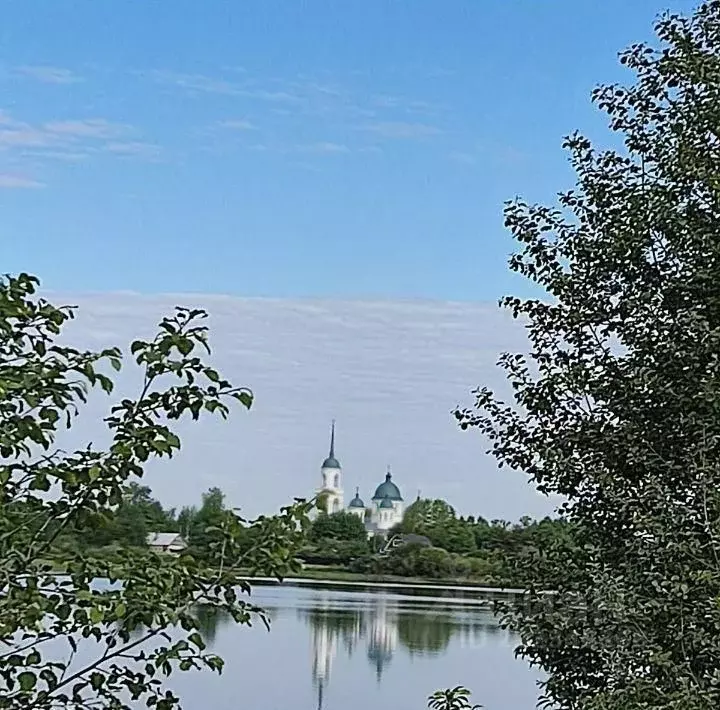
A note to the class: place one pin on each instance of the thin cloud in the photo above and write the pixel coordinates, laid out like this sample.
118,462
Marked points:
402,130
22,136
200,83
237,125
65,156
324,147
134,149
67,141
49,74
88,128
18,182
403,104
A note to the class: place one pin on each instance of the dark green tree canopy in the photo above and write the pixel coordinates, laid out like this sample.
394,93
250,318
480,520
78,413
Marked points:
617,404
338,526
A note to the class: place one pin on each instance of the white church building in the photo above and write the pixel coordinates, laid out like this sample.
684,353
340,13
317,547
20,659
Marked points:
386,506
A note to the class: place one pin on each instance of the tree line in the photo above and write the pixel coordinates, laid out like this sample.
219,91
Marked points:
496,552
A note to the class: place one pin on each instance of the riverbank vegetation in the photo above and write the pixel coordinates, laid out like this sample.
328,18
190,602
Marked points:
453,549
460,549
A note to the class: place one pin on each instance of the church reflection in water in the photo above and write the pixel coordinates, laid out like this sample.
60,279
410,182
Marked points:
383,625
376,625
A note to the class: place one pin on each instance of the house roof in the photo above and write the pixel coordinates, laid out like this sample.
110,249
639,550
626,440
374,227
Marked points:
164,539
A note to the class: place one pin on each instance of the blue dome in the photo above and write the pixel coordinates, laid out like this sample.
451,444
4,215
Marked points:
387,490
386,503
357,501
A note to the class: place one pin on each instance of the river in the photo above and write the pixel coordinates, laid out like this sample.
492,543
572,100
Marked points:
339,648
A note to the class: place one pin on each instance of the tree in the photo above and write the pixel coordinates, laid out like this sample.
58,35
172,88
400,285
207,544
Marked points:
156,518
617,406
426,513
120,632
206,525
338,526
436,519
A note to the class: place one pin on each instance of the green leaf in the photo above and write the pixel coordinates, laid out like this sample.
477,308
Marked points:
185,345
27,681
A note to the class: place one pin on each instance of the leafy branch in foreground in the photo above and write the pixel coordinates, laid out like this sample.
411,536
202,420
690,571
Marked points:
110,630
616,405
457,698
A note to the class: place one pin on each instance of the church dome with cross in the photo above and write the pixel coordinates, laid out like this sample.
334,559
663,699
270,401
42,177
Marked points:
386,507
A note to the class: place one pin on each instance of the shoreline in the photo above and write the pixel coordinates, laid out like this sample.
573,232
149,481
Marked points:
335,577
414,583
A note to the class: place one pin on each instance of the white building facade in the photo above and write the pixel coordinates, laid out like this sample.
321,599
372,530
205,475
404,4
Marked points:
386,507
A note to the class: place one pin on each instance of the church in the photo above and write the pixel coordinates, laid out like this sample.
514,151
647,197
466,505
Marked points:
386,506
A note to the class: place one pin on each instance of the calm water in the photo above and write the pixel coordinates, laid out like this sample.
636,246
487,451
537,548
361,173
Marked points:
347,649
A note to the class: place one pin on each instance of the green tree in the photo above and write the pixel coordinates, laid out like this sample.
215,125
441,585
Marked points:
45,492
156,518
426,513
338,526
617,406
205,529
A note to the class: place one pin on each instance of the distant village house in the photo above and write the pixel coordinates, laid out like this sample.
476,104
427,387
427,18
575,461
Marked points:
169,543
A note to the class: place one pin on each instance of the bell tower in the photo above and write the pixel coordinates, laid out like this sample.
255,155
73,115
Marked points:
331,473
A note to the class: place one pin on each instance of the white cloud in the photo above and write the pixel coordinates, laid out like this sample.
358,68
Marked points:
134,149
49,74
18,182
389,372
70,140
88,128
324,147
401,129
237,125
199,83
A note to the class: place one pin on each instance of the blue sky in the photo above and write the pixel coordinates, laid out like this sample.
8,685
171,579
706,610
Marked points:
291,149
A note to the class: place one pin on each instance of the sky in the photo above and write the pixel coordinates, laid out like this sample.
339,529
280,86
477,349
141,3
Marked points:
292,148
389,372
335,171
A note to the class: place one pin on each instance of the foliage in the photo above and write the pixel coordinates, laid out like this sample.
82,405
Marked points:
457,698
616,407
129,635
338,526
336,539
437,520
424,514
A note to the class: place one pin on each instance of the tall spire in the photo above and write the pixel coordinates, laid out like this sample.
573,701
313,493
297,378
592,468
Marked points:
331,461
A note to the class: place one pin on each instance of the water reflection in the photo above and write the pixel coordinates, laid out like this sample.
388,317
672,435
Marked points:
375,626
377,623
382,624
